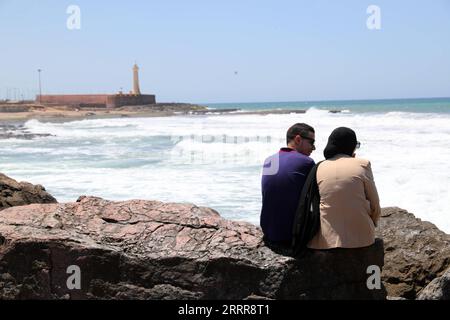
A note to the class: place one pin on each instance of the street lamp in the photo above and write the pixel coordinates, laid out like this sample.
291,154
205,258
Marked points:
40,87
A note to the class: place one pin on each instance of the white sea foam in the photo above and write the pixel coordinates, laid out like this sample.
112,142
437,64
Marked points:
216,160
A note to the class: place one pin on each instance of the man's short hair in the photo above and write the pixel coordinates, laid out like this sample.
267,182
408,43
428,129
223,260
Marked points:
301,129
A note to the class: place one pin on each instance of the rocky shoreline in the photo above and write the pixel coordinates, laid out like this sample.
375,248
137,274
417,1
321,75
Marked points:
152,250
70,113
416,253
17,130
21,113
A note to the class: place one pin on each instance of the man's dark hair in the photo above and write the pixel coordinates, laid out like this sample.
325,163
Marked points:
301,129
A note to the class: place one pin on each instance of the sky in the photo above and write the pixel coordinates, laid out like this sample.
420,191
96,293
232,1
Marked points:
205,51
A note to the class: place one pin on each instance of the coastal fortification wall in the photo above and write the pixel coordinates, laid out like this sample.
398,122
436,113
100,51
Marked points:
120,100
105,100
73,99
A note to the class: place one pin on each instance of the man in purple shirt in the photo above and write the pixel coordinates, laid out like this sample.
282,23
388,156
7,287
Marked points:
284,175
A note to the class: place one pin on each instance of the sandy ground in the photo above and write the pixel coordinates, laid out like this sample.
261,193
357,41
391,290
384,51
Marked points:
74,115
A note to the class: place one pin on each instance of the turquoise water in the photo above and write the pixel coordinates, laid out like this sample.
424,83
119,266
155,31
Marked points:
425,105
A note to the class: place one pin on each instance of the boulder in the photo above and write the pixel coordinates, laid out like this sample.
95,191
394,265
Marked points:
13,193
97,249
438,289
416,252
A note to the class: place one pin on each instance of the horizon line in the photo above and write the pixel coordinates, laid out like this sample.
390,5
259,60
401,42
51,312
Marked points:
328,100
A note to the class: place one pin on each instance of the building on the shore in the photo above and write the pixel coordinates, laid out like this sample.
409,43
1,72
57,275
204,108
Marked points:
120,99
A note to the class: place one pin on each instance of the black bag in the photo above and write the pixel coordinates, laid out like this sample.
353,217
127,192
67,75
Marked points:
307,216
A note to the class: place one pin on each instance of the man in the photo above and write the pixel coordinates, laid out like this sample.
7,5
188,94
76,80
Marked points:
284,175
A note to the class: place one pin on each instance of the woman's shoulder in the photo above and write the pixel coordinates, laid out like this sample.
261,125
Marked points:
363,162
354,161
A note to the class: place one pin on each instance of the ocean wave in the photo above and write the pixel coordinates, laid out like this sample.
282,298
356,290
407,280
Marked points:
208,160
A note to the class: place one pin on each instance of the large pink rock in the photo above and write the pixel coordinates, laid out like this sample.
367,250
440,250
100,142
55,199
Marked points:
153,250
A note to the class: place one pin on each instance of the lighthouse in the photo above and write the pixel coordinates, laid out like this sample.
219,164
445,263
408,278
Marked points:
136,89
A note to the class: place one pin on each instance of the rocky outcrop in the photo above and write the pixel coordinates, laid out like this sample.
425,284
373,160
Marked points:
416,252
438,289
166,107
18,131
152,250
13,193
13,108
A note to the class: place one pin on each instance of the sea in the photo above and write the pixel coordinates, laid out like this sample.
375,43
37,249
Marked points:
215,160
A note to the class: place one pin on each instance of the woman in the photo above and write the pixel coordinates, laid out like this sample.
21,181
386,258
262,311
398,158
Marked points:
349,203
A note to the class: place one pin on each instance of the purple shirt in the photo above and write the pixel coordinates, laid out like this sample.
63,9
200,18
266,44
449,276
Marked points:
281,191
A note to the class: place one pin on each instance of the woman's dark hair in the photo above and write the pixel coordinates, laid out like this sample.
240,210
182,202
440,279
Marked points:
301,129
341,141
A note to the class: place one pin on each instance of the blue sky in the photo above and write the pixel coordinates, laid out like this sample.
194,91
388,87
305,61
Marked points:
229,51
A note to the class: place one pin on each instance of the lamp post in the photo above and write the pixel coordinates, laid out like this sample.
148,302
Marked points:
40,87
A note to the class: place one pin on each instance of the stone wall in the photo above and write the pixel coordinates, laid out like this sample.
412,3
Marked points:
130,100
14,108
73,99
97,100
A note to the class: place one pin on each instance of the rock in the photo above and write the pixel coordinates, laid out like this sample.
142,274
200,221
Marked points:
13,108
438,289
151,250
13,193
18,131
395,298
213,111
416,252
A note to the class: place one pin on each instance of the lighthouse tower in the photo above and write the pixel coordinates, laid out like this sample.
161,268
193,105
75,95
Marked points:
136,89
